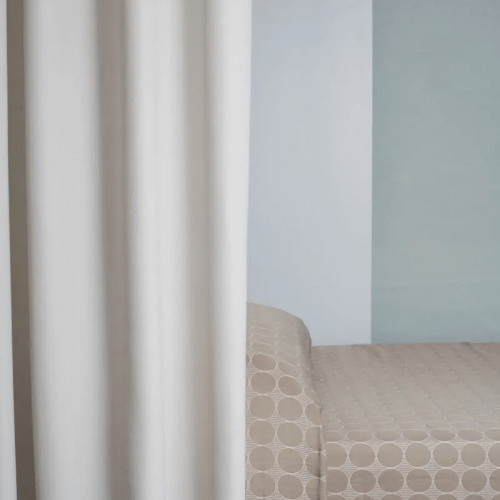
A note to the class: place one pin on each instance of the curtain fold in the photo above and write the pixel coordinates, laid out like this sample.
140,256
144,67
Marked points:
137,124
7,437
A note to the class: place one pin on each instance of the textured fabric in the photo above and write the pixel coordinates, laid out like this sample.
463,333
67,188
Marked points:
398,422
137,135
7,441
285,455
410,422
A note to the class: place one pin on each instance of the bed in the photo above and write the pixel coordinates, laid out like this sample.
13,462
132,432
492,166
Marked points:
368,422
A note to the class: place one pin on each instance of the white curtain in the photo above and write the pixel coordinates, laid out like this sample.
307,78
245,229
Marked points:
137,123
7,450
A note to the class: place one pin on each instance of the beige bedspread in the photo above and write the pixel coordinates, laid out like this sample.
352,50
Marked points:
368,422
285,449
419,422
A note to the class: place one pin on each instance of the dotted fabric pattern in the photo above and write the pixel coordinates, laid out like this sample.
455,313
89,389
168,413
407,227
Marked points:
410,422
285,449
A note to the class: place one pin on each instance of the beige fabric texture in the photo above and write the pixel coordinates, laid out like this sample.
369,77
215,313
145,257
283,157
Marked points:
410,422
285,450
399,422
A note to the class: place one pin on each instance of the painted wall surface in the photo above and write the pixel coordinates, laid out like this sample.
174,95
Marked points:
310,164
436,171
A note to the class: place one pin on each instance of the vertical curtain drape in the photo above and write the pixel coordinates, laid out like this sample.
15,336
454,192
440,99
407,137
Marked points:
137,132
7,441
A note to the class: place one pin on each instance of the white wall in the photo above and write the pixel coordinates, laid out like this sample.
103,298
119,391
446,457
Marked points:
310,164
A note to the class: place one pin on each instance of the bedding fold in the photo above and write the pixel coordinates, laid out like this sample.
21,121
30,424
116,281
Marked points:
285,447
368,422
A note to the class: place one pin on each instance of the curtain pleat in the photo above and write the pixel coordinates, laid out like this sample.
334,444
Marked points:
7,437
137,144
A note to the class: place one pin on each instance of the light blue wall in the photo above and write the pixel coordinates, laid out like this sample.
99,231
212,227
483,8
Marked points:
436,171
309,249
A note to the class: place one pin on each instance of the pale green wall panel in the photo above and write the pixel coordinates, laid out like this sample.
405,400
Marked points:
436,171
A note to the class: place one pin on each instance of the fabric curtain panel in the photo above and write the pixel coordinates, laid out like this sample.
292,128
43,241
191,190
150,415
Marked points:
7,450
137,152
